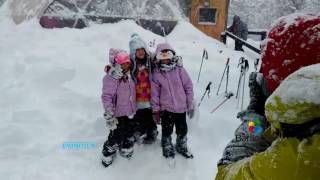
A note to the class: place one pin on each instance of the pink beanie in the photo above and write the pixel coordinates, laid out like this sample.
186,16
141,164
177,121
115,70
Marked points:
122,58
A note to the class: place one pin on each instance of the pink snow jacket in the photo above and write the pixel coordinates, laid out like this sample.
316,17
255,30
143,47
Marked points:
118,94
171,90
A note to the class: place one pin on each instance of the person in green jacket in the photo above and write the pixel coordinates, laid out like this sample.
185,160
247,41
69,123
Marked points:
279,134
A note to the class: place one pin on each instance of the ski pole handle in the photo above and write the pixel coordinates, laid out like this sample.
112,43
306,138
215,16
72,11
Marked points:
241,61
229,95
208,86
246,65
228,60
205,92
256,63
205,54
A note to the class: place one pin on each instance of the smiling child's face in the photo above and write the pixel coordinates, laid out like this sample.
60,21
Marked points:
140,53
125,66
165,61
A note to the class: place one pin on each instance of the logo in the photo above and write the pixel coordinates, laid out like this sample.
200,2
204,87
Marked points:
253,125
79,145
252,128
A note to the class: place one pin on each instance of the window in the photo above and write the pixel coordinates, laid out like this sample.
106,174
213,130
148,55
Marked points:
207,15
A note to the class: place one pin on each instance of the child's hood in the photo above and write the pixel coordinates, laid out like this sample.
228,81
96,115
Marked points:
136,43
164,46
113,52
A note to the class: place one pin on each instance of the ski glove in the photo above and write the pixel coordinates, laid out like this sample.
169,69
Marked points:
111,121
257,79
190,113
258,93
156,117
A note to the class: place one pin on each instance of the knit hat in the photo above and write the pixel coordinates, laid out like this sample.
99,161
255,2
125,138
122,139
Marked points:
292,43
136,43
122,58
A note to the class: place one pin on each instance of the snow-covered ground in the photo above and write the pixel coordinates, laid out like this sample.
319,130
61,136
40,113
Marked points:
50,87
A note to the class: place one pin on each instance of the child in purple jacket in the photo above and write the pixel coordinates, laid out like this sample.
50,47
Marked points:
119,101
172,96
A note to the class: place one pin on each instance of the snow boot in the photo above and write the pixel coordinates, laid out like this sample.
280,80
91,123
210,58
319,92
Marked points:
108,154
151,137
126,152
167,147
126,149
182,148
137,138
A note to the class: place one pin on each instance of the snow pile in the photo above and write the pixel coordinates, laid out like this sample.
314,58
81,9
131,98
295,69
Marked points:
50,91
297,99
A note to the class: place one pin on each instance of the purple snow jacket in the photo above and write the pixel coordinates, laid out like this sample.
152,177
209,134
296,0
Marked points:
118,95
171,90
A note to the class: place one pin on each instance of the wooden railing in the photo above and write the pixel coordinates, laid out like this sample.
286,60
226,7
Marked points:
244,42
262,33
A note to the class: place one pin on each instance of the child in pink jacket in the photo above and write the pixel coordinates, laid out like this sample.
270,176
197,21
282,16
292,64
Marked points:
119,101
172,96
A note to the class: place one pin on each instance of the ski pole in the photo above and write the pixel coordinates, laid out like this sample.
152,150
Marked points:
228,96
242,64
204,56
152,43
239,83
238,90
227,64
243,86
208,89
241,61
256,63
245,69
226,91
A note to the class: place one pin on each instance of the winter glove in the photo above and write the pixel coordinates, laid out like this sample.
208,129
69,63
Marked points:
156,117
190,113
258,93
111,121
257,80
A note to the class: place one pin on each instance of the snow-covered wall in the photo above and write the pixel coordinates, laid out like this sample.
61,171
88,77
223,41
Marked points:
146,9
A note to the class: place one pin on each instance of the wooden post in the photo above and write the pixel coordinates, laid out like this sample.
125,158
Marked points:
224,38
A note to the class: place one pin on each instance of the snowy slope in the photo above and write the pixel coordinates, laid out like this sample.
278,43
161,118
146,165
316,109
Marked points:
50,86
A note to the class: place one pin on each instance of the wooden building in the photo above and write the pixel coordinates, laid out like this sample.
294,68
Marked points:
210,16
